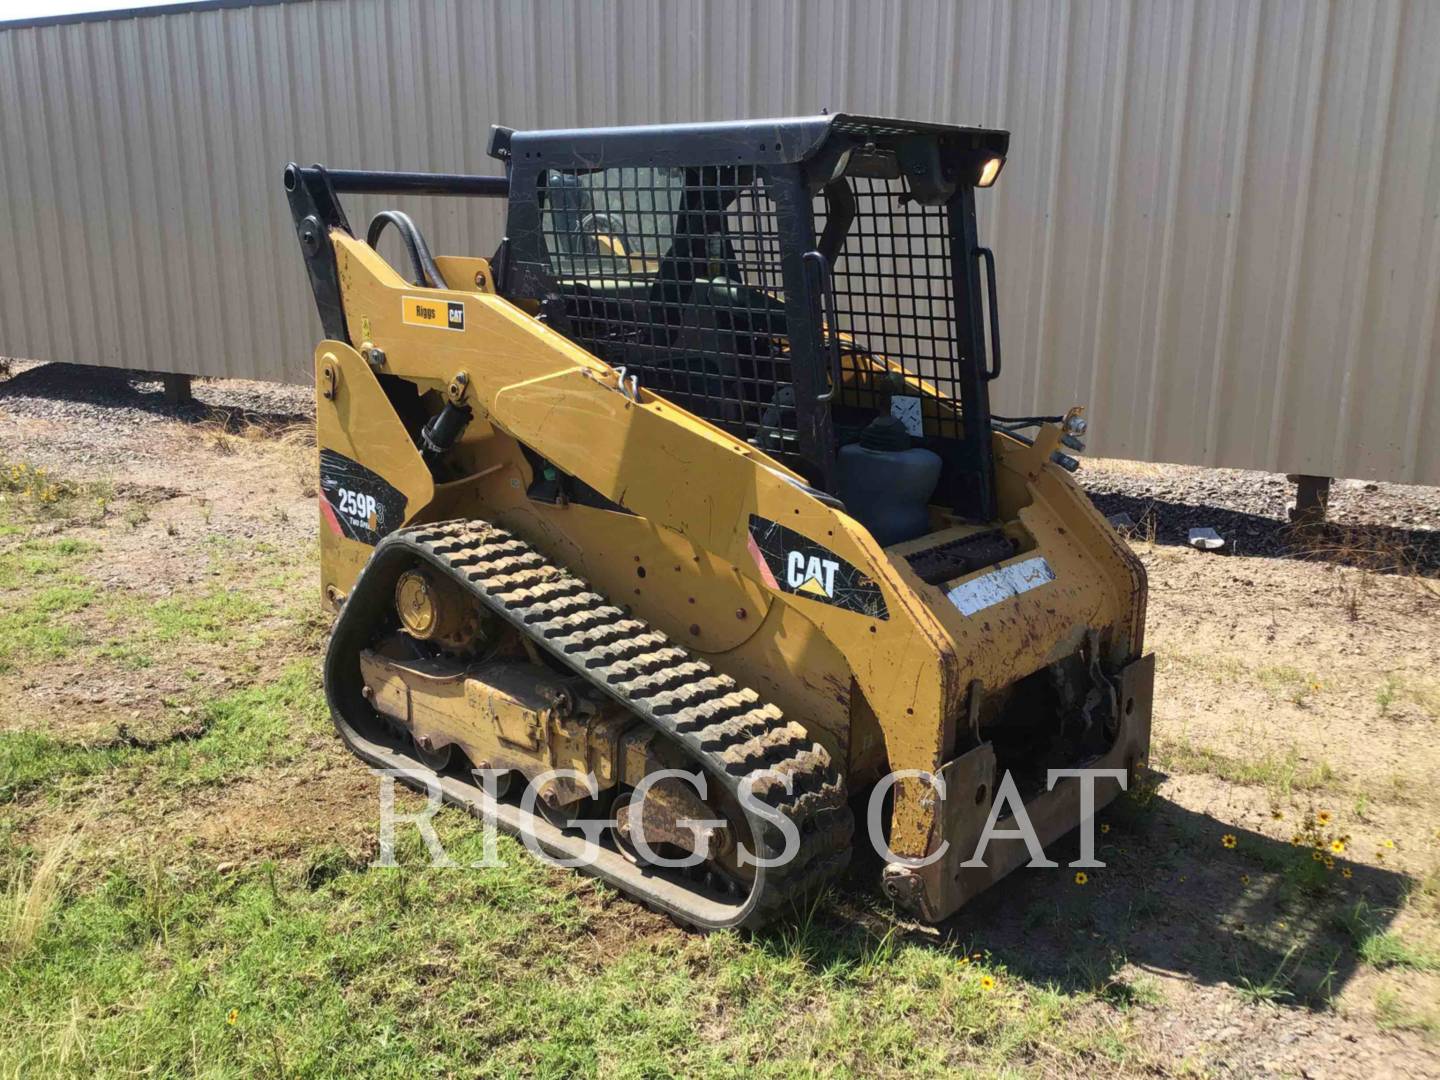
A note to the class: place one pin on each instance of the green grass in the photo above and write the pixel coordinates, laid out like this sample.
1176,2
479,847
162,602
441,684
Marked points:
1383,948
210,617
1393,1013
34,625
249,729
1397,688
1283,774
335,968
1288,682
490,972
226,738
35,560
30,759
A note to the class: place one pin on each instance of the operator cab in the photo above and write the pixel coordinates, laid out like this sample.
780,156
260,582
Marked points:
811,285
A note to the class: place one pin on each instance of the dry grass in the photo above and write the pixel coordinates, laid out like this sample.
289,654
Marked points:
232,433
28,905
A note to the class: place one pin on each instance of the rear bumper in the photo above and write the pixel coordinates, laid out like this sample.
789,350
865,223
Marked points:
939,889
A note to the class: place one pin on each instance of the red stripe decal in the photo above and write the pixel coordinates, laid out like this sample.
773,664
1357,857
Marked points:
328,513
760,562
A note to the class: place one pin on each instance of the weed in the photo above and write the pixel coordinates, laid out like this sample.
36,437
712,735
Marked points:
1385,695
1382,948
1426,891
1289,682
1273,989
1393,1014
34,491
27,906
1142,992
102,495
1423,695
135,516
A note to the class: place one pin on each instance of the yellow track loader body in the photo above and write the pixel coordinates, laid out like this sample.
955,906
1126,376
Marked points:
584,506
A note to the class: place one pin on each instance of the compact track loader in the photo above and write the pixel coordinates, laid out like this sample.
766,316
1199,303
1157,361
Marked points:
698,474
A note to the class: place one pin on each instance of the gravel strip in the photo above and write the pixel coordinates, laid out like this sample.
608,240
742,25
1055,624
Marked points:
1378,525
114,397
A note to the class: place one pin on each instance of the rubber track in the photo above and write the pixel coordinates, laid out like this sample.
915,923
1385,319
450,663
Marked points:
725,727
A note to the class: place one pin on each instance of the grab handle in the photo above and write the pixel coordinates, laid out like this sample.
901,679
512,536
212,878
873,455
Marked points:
988,257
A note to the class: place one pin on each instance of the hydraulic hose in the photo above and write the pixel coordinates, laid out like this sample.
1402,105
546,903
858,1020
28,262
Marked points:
427,274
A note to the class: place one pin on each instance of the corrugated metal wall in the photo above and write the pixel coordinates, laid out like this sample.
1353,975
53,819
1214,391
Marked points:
1219,225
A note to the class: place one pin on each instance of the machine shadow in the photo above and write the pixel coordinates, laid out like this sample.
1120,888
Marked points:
139,390
1379,548
1173,898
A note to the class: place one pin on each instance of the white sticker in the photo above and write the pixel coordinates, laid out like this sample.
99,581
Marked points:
989,589
907,411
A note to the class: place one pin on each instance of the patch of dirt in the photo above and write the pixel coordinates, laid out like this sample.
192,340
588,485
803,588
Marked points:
284,813
1275,656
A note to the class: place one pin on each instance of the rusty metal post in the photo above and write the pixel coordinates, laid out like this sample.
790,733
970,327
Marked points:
1312,498
177,389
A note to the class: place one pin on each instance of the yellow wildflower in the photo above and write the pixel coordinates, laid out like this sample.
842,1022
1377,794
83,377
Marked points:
987,982
1081,877
1228,840
1345,871
1322,817
233,1018
1337,846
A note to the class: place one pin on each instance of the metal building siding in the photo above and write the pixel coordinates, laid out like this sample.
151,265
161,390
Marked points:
1219,225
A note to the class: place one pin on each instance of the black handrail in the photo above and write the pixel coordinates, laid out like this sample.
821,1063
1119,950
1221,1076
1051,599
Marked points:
369,182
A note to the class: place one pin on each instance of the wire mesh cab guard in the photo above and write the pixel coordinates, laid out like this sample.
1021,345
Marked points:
787,280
